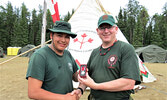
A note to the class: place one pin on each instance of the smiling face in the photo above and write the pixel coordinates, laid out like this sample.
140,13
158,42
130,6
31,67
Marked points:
107,33
59,42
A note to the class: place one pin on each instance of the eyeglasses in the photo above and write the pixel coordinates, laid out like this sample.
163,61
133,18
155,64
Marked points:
104,27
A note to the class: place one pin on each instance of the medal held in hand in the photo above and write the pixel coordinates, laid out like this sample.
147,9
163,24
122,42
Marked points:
82,71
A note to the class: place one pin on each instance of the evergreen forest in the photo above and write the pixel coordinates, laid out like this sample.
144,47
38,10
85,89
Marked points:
20,26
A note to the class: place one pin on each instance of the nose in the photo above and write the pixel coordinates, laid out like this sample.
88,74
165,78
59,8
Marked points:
63,39
106,29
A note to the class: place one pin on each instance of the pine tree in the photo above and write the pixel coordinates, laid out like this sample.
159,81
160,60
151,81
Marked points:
133,11
156,38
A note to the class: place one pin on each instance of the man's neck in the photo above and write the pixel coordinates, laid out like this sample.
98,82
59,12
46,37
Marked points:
58,52
106,45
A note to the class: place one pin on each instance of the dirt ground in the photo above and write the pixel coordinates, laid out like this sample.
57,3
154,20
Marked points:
13,85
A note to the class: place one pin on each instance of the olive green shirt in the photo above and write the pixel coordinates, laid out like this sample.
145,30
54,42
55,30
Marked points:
55,71
119,62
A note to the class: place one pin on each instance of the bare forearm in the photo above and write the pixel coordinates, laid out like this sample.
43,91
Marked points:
82,86
75,76
45,95
121,84
36,92
115,85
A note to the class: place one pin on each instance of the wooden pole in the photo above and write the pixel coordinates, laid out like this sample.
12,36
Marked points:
23,53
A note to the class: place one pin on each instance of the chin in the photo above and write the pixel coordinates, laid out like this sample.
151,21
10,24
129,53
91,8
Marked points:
61,49
106,41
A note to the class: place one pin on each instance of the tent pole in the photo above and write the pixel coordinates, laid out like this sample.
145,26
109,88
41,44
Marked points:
24,52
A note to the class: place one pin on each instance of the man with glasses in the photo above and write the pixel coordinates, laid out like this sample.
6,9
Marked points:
113,68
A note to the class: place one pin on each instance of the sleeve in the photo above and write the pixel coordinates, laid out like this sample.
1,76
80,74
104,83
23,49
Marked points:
36,67
89,62
129,64
75,65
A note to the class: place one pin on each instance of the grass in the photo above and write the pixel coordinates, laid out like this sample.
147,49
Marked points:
13,85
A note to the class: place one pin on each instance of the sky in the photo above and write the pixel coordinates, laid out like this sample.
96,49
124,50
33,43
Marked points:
152,6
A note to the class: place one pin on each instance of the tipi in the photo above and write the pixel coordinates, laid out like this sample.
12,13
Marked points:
84,24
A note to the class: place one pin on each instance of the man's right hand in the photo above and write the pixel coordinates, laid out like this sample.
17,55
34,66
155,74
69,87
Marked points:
77,92
68,96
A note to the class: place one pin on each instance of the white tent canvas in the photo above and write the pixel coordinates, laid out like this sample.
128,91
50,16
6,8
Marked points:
84,24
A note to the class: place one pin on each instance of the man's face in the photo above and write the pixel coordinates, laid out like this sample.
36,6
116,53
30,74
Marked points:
60,41
107,32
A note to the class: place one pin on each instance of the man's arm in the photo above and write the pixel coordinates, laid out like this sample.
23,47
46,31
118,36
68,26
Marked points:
79,91
36,92
75,76
121,84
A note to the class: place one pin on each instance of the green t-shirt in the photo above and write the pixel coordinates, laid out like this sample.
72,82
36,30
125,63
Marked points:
119,62
55,71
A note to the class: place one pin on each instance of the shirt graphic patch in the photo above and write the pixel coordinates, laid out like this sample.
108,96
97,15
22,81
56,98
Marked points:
70,67
112,61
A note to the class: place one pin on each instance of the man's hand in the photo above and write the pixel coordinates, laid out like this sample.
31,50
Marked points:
68,96
77,92
88,81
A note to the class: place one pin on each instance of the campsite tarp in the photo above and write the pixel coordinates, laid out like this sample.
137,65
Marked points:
1,52
84,24
152,54
26,48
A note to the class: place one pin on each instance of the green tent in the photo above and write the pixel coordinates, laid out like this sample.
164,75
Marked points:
152,54
1,52
166,57
26,48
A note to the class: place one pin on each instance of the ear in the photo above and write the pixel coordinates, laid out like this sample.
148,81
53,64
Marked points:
97,30
116,28
51,35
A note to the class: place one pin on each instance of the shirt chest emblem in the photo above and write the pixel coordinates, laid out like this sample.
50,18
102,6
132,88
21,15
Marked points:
70,67
112,60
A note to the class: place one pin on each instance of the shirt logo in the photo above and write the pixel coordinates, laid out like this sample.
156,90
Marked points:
105,17
112,61
70,67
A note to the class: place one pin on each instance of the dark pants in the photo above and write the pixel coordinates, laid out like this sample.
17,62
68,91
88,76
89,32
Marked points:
90,97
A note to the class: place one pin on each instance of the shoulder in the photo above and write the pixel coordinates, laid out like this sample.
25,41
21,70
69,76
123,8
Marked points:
96,50
67,53
42,51
125,46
